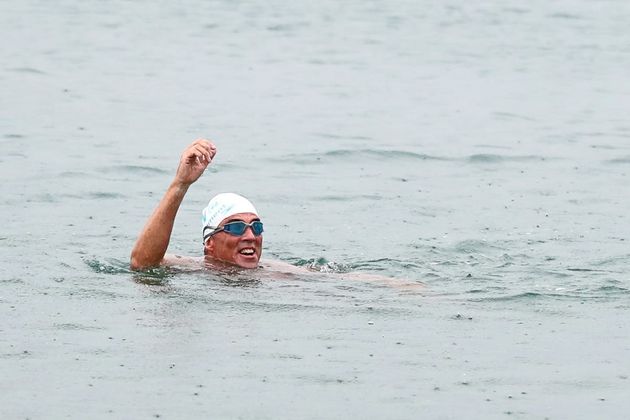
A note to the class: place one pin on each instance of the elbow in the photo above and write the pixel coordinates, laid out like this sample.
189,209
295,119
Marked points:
136,263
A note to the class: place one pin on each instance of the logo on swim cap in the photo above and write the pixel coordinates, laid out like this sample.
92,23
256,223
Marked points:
224,205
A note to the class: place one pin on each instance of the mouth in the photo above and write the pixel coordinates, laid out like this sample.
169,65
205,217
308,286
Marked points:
247,256
248,252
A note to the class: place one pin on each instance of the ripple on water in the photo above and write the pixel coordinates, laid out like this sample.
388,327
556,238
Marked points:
619,161
586,270
75,174
612,261
336,136
132,169
383,264
517,297
356,155
613,290
509,115
495,158
350,197
27,70
565,16
76,327
477,245
487,289
16,355
94,195
380,154
12,280
105,195
608,146
43,198
326,380
577,293
161,276
112,266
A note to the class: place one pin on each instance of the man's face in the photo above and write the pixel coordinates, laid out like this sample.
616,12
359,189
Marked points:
244,250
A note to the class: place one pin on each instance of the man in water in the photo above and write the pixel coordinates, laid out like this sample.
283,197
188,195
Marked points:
232,230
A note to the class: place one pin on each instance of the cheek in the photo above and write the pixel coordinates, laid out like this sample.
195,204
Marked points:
223,248
231,244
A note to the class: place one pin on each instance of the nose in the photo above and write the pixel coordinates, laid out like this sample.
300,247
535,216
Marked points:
249,233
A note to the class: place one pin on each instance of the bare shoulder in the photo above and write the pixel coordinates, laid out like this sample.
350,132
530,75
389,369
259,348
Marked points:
281,266
173,260
398,283
282,269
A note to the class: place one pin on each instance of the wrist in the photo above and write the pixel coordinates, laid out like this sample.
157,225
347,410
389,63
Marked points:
179,186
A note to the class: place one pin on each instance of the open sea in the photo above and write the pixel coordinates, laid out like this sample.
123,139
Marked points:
480,148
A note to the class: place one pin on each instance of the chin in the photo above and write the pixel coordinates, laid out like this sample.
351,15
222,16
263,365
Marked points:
246,262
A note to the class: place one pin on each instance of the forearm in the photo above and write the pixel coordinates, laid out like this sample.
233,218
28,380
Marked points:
152,243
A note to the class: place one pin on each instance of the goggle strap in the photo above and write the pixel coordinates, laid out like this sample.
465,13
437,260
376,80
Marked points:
213,230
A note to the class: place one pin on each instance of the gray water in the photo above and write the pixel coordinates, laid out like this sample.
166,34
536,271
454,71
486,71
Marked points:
481,149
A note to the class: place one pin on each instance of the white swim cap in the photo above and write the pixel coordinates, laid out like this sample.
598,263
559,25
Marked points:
221,206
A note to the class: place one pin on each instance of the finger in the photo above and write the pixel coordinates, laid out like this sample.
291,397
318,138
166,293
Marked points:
206,143
203,142
208,154
210,148
189,155
192,155
202,155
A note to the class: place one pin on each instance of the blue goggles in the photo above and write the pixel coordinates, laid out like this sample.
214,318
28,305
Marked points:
236,228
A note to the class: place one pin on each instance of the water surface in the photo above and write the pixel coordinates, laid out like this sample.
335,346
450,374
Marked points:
481,149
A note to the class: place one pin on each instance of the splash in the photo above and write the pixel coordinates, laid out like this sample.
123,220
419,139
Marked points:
322,265
114,266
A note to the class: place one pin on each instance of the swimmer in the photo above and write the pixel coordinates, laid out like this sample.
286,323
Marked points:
232,230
